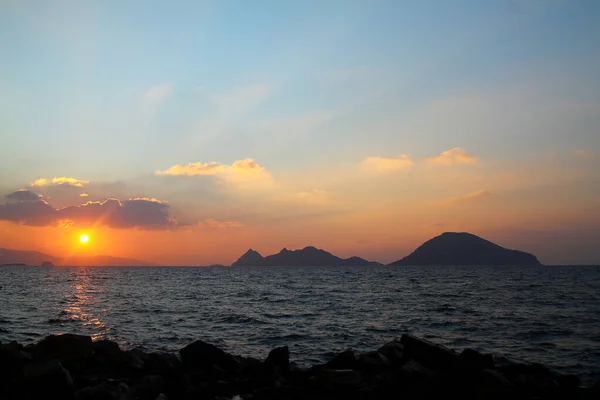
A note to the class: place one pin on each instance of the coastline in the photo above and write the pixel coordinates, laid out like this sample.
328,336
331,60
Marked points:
75,367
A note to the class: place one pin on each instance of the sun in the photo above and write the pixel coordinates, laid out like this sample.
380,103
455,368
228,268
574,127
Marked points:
84,238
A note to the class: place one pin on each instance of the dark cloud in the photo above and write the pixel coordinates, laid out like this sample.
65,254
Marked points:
22,195
143,213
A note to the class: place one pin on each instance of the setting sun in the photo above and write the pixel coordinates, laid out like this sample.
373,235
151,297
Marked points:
84,238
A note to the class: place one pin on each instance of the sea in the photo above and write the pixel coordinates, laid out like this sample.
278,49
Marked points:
545,314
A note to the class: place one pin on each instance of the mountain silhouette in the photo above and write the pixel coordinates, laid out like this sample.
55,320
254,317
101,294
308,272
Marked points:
12,257
453,248
308,256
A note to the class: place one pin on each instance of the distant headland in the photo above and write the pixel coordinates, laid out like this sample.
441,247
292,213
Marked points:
308,256
9,257
452,248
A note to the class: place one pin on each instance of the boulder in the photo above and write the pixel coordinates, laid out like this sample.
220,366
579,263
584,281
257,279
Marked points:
394,351
490,384
73,351
279,358
162,364
337,378
148,387
412,371
106,349
48,380
373,361
132,362
537,378
202,355
344,360
102,391
429,354
107,355
473,360
13,356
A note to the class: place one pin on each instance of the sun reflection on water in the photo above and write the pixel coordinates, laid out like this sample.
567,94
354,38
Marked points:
80,302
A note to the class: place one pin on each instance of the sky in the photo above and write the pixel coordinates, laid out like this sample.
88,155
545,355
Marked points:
186,132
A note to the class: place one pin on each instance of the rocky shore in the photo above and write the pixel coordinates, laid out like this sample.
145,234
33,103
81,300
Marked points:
74,367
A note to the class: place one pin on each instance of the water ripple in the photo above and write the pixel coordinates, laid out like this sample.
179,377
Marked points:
543,314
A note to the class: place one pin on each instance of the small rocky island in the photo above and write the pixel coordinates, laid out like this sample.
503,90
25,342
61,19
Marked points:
452,248
308,256
74,367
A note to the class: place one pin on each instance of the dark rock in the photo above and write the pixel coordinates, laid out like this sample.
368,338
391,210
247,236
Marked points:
102,391
107,355
13,355
203,355
510,368
567,381
429,354
161,396
472,359
73,351
49,380
162,364
337,378
106,349
148,387
132,362
538,378
373,361
412,370
490,384
394,351
279,358
344,360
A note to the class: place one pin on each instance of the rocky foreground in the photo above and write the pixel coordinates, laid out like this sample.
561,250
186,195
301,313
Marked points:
73,367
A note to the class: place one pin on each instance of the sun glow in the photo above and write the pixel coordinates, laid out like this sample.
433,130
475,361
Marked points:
84,238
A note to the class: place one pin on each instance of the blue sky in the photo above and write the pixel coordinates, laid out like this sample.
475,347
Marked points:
111,92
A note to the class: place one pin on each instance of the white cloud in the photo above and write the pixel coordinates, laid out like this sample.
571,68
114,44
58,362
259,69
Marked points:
156,95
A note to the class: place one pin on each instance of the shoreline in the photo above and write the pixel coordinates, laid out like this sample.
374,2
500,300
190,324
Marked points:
74,367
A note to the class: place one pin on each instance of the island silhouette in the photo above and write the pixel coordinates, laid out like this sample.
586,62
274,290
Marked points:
452,248
308,256
449,248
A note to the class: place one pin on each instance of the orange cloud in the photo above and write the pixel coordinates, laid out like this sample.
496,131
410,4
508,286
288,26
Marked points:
148,199
213,223
473,196
242,174
385,165
453,156
59,181
83,195
193,169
